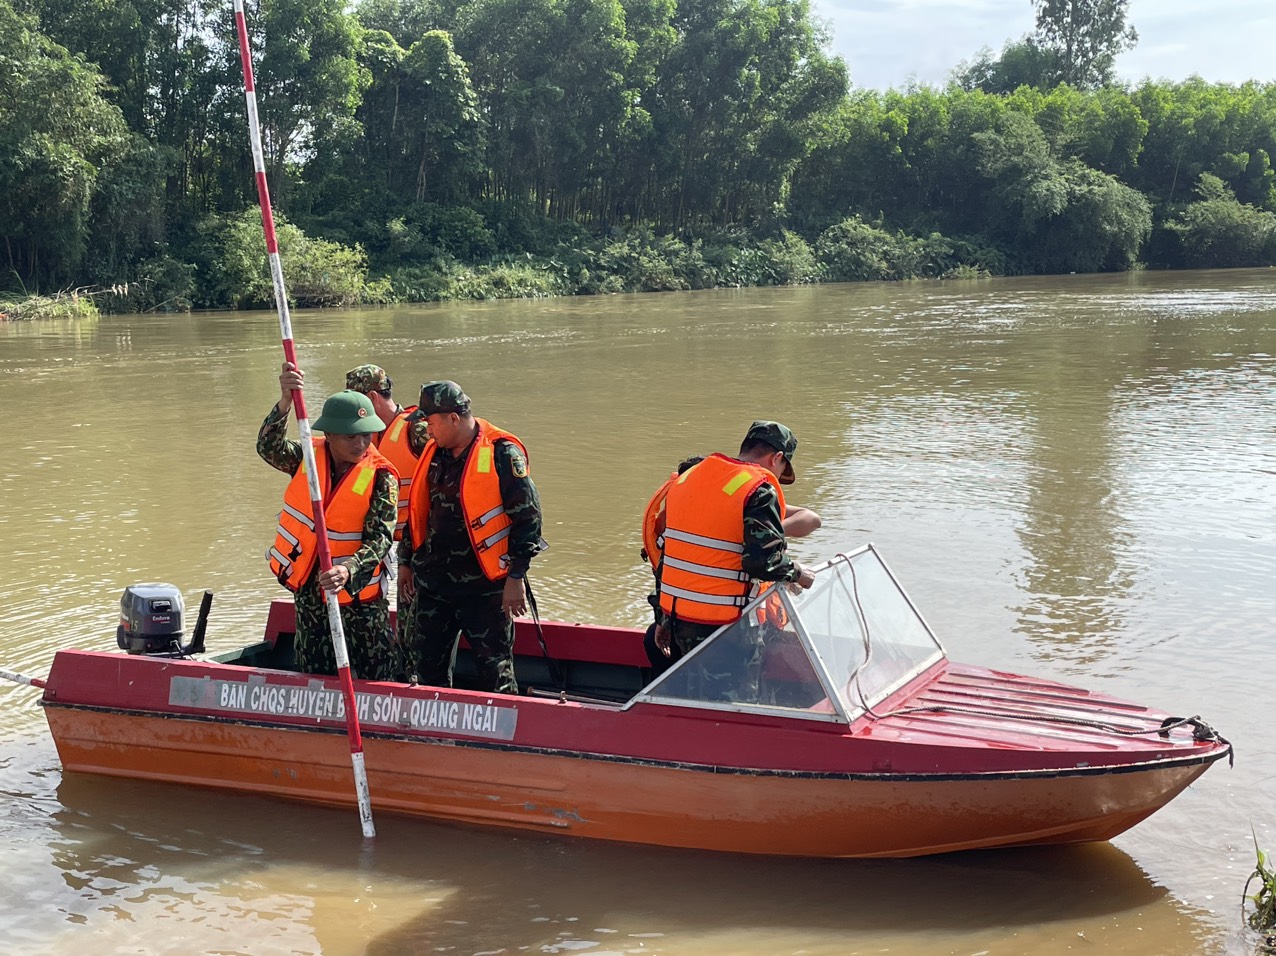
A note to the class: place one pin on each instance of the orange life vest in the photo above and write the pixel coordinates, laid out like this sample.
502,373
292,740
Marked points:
653,522
702,577
292,557
393,443
485,517
772,609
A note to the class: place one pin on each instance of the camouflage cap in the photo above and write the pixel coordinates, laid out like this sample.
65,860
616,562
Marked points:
778,437
443,397
368,378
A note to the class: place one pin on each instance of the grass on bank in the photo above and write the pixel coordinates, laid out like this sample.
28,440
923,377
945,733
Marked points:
71,304
1262,916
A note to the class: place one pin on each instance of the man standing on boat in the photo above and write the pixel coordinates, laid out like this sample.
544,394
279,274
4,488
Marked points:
798,522
724,534
402,442
474,523
361,497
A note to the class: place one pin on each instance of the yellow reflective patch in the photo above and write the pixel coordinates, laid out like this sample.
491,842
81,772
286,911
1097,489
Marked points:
732,486
485,459
364,479
397,430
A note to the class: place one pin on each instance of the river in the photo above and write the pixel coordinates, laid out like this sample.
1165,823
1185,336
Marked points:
1075,477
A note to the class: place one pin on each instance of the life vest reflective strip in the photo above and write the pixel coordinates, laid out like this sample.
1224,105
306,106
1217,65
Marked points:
702,577
481,504
394,444
292,557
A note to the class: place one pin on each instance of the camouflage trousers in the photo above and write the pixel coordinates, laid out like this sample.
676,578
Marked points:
404,622
727,671
368,639
439,622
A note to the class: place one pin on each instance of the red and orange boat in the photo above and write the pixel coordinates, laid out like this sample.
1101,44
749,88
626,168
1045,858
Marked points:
827,723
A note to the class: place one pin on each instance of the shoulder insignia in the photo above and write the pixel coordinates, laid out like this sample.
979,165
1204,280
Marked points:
518,465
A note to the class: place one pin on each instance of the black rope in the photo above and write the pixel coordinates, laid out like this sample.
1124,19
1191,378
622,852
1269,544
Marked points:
554,670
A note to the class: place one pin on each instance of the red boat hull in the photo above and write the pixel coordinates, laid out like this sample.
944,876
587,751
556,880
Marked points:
684,806
963,758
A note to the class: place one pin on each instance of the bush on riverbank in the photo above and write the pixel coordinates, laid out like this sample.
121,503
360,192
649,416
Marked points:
1218,231
317,272
60,305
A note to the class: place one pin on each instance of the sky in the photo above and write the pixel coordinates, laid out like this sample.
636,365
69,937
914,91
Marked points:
890,42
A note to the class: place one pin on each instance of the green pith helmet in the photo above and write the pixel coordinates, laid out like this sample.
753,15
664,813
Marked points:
348,413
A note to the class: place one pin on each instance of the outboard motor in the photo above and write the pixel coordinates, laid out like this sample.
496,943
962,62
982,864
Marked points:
151,621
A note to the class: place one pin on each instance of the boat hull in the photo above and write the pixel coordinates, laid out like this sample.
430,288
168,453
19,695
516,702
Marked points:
630,799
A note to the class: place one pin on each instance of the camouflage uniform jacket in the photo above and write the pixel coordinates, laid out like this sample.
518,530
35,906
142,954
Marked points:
446,561
766,553
281,452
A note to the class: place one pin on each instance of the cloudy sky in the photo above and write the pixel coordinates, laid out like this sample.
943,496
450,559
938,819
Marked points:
888,42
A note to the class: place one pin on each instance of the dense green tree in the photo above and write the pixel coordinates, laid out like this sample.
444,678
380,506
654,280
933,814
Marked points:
1084,37
738,67
1196,127
1058,216
57,131
1216,230
608,144
421,132
311,83
1103,129
1021,63
404,20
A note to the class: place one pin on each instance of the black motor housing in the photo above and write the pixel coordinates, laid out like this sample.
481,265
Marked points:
150,619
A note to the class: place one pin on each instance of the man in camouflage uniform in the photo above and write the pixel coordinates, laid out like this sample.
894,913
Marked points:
798,522
443,571
765,554
373,381
366,624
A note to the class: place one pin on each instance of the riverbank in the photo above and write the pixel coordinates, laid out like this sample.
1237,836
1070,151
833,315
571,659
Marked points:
60,305
321,273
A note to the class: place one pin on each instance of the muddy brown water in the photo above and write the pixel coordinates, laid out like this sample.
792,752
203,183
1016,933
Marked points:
1074,477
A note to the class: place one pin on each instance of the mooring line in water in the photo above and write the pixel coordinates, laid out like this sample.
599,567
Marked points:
303,426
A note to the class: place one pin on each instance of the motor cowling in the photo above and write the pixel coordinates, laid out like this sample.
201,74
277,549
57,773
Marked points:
150,619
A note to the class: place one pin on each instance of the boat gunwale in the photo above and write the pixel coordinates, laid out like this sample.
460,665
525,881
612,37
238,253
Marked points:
1216,752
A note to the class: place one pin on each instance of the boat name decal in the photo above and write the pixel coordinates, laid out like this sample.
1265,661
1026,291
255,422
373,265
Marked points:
254,696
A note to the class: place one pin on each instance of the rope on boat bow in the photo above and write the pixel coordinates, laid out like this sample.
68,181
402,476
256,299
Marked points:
1200,731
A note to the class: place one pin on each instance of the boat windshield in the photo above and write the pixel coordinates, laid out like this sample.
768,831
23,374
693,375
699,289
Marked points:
827,653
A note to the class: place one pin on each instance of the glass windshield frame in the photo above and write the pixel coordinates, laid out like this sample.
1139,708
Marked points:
898,662
883,682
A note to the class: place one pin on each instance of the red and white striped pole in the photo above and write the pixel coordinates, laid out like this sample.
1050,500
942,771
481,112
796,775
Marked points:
303,426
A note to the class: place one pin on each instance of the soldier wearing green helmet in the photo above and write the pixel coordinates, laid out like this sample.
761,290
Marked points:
361,493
